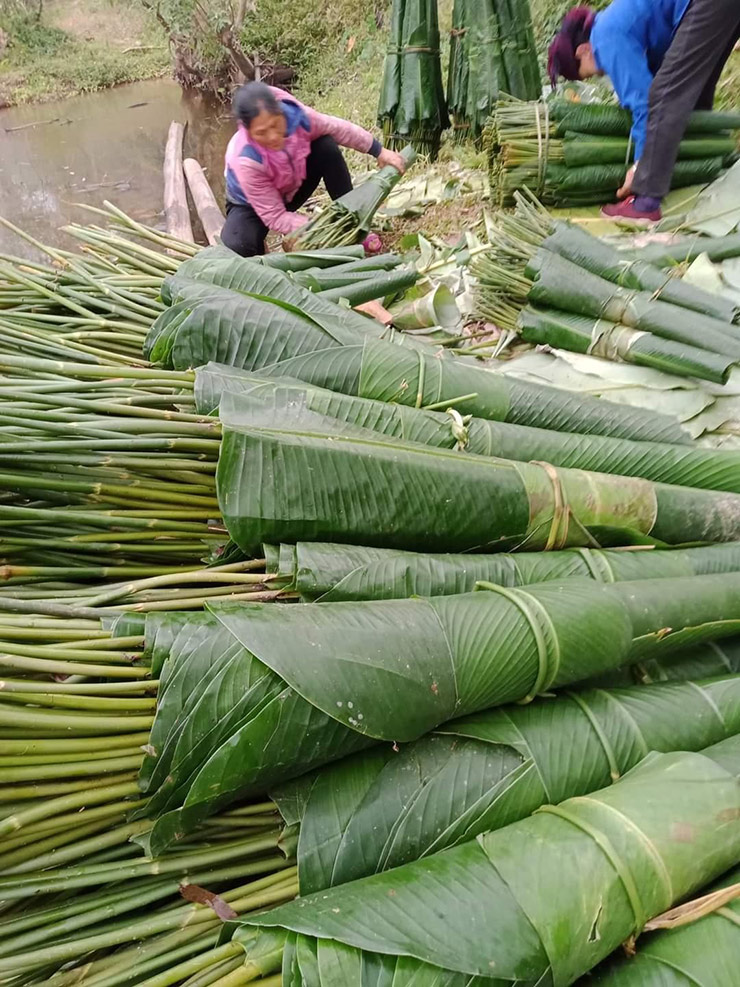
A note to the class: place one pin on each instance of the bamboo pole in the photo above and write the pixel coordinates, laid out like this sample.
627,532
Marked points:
176,212
211,217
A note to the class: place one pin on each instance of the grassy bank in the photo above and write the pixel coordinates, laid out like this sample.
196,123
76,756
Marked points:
77,46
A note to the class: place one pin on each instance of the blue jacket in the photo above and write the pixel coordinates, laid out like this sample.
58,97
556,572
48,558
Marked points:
630,39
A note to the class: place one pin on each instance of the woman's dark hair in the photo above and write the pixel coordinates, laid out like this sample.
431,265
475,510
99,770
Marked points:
575,31
251,100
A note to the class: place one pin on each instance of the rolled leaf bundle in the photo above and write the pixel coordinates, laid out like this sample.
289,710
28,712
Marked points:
520,135
702,953
250,695
688,248
577,150
620,343
482,911
349,218
342,483
551,281
388,373
606,119
299,260
380,809
207,322
385,285
516,238
690,466
412,107
333,573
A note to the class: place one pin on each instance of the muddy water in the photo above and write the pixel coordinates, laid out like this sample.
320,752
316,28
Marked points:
106,145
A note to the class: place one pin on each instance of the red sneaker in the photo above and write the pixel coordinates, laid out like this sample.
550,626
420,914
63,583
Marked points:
626,210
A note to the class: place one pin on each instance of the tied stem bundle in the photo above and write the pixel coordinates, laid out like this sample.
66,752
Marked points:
555,284
576,154
349,218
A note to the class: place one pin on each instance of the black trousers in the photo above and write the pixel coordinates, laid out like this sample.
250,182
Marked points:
244,232
686,81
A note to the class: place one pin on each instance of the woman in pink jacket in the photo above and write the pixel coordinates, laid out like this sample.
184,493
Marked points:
276,159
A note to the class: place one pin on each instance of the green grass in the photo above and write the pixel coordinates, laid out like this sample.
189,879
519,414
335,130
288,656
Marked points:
44,61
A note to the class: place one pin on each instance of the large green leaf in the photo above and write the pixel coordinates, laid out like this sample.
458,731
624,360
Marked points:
317,479
225,269
380,809
544,900
313,683
668,463
233,329
702,954
389,373
331,573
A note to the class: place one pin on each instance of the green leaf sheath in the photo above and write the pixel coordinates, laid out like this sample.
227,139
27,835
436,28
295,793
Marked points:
288,689
612,120
599,337
381,286
702,954
709,469
392,374
380,809
275,319
560,284
313,480
688,248
545,899
592,254
334,573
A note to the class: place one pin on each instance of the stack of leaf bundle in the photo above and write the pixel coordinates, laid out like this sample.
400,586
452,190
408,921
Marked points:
553,283
282,697
572,154
348,219
482,773
708,469
493,51
412,108
543,900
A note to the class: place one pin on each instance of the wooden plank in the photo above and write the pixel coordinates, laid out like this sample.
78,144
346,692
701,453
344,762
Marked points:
211,217
176,212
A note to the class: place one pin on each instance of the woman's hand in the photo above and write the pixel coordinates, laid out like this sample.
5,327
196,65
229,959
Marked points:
626,189
388,157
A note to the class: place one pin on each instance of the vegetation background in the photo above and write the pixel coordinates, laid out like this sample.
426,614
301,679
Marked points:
53,48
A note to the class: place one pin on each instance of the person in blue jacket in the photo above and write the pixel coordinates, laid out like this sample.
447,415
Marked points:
664,58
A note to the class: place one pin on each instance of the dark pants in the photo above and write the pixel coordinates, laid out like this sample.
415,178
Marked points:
244,232
686,81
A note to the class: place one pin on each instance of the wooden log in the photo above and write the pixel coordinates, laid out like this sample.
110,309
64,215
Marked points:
211,217
176,212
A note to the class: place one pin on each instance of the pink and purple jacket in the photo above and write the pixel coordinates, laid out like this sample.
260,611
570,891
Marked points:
267,180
